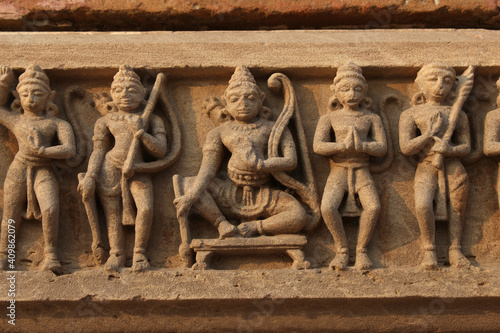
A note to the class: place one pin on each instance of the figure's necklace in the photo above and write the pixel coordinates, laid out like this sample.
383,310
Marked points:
245,126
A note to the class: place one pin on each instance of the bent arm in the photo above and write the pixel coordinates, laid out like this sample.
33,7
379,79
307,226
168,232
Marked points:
322,145
409,143
67,148
289,160
212,157
462,137
491,146
101,141
155,143
377,147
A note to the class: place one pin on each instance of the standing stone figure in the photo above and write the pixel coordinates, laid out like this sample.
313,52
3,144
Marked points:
129,143
31,188
491,143
437,133
242,189
349,136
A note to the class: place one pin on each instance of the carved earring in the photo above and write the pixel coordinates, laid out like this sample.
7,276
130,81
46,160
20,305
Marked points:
334,104
16,105
265,113
366,103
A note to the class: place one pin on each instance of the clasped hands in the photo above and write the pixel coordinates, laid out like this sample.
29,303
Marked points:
353,142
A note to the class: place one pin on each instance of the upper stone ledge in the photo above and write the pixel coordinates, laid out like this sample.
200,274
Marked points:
108,15
312,51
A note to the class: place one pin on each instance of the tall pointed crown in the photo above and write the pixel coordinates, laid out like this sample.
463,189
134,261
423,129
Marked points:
126,73
242,77
348,70
34,74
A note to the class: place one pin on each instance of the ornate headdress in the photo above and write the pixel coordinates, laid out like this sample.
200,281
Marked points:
349,70
34,74
346,71
243,77
127,74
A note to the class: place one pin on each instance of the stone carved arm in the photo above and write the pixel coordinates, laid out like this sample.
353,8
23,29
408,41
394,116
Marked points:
461,137
101,138
409,142
286,163
322,144
212,159
67,148
491,146
377,147
155,143
8,118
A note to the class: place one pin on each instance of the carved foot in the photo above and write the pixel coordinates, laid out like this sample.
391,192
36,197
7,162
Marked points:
203,260
298,257
99,255
226,229
50,263
140,263
457,259
248,229
430,261
340,261
363,262
114,263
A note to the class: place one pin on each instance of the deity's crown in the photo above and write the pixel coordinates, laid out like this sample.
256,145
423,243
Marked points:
348,70
126,73
34,74
240,77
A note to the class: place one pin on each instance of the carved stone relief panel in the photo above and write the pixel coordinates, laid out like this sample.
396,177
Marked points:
244,188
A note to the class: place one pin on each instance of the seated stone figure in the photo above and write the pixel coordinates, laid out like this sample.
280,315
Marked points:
243,191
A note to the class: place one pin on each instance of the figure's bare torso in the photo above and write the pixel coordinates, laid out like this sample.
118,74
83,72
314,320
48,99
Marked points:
246,141
343,122
35,132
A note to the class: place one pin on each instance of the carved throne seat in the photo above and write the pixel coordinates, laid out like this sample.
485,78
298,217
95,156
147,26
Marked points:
290,244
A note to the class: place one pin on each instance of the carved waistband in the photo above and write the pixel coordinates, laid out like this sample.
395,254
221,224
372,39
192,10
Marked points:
245,178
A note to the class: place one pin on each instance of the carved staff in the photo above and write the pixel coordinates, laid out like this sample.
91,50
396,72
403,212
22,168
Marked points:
148,111
464,92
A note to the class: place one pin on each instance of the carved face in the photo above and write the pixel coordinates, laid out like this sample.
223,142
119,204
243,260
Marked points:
437,84
33,97
243,103
350,91
127,96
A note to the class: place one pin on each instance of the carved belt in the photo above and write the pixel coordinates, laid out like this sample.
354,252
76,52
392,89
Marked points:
243,178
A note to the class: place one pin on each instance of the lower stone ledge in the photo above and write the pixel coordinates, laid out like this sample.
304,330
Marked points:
385,300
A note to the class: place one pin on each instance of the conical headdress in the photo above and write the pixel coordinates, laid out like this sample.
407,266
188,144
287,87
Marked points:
349,70
242,76
34,74
126,73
